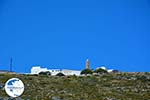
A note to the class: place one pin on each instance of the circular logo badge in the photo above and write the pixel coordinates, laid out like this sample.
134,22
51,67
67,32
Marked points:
14,87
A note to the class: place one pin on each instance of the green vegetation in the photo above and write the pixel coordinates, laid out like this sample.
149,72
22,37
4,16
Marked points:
60,74
45,73
114,86
100,71
86,71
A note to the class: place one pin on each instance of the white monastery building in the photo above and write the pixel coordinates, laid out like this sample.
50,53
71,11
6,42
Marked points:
38,69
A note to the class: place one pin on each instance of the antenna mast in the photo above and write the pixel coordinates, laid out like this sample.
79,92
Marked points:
11,64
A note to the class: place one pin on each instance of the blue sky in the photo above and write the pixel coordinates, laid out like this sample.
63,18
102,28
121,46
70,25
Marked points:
64,33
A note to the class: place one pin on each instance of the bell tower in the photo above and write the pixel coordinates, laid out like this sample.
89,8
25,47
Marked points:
87,64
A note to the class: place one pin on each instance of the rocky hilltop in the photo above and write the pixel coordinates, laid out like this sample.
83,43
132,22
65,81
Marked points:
112,86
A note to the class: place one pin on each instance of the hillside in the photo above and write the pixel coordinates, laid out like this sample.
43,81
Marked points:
119,86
